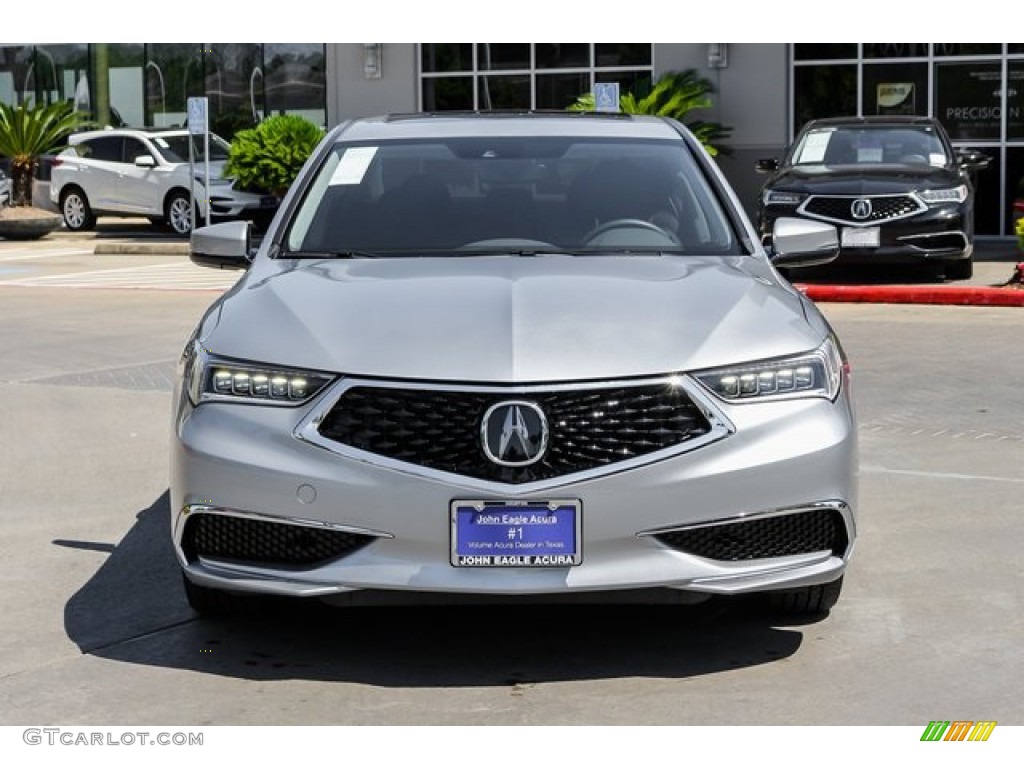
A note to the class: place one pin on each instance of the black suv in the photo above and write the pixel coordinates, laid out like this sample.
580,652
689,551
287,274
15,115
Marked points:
895,186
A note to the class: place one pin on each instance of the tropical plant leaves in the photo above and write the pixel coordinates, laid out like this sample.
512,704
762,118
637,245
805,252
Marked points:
674,95
28,132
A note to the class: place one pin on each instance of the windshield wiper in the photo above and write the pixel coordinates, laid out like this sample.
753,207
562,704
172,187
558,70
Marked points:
352,254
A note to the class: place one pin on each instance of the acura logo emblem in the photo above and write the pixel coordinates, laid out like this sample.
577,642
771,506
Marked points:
860,208
514,433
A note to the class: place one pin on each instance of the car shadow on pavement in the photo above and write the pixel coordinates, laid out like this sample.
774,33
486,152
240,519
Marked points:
133,610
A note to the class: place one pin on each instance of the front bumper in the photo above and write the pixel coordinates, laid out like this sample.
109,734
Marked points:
940,233
782,457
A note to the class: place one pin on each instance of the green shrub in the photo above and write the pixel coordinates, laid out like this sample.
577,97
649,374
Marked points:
269,156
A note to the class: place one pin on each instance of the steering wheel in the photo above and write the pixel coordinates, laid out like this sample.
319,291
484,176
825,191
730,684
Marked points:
614,224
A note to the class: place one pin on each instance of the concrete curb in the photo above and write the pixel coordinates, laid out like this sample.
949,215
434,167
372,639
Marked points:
984,296
148,249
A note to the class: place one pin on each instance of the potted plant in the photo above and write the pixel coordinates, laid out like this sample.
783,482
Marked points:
25,134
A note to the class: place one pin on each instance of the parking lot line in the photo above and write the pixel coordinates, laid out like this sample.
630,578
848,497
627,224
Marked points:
174,276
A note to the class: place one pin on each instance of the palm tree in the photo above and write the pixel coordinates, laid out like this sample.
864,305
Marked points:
28,132
674,95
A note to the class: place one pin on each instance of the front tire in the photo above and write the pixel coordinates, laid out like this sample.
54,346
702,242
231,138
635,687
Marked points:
177,213
74,207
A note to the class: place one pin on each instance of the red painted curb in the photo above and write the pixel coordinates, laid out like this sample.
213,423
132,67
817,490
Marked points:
983,296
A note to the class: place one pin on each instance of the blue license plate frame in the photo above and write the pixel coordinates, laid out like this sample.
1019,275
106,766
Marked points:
516,534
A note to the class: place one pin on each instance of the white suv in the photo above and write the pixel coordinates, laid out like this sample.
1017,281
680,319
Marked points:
128,172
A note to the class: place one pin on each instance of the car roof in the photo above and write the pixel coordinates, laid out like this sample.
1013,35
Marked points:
136,132
469,124
873,120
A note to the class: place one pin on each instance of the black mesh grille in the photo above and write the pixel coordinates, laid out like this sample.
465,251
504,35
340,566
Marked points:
799,533
882,208
441,430
222,537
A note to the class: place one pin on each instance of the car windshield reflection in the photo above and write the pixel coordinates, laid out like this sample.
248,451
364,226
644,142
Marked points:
873,145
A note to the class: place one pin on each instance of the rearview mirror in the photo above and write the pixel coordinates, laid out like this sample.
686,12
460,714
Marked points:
767,165
224,246
145,161
803,243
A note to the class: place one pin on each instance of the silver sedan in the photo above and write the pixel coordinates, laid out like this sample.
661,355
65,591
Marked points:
513,357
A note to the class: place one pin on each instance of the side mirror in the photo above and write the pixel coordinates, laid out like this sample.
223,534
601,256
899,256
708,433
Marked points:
223,246
767,165
145,161
972,159
803,243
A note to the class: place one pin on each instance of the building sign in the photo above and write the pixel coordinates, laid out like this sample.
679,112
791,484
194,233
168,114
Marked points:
896,99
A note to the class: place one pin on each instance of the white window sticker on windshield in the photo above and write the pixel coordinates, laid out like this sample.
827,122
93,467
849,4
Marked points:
814,147
161,142
352,166
869,155
937,158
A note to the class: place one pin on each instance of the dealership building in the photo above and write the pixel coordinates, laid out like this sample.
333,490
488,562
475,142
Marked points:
764,91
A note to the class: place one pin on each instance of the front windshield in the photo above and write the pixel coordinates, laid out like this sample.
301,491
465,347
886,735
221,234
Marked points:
871,145
509,194
175,148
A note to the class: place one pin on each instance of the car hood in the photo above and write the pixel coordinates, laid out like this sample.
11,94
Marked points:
510,319
861,180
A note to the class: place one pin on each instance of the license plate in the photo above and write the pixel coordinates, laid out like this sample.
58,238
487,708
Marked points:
505,534
860,237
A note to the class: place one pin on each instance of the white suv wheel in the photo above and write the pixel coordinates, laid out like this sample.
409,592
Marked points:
178,215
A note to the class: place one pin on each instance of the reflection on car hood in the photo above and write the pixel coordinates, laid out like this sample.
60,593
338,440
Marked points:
509,319
863,180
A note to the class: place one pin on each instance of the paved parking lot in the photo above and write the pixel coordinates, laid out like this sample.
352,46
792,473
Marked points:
99,632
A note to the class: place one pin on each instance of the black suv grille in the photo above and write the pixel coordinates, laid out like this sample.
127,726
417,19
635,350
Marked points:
441,429
223,537
882,208
794,534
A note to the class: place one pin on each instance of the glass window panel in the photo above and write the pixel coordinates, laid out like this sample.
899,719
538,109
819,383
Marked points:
987,219
61,74
895,89
446,57
1014,186
559,91
118,84
503,92
445,93
16,74
894,50
621,54
967,99
562,55
106,148
295,80
503,55
824,91
1016,47
174,72
1015,100
134,148
967,49
234,86
811,51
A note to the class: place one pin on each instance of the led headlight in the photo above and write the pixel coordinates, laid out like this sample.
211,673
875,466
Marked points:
815,374
780,197
939,196
210,378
